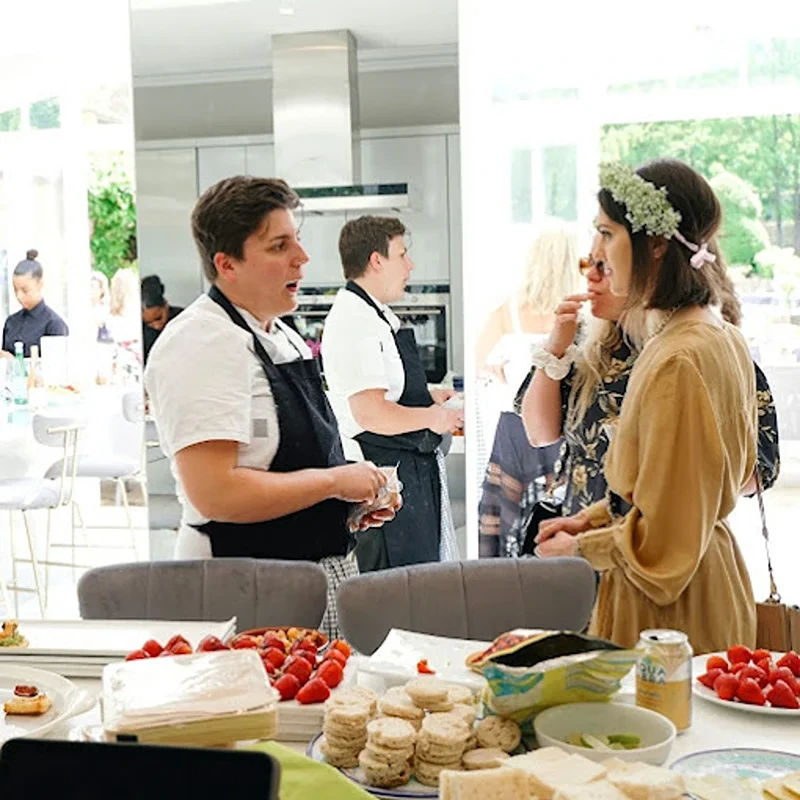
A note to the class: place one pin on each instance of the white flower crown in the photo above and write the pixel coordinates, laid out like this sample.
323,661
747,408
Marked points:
646,205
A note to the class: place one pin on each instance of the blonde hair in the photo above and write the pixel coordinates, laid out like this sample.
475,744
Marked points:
102,281
124,292
551,268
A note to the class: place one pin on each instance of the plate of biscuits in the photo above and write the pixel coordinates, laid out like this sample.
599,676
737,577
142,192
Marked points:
35,701
397,745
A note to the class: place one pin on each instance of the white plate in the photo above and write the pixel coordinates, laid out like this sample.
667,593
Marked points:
68,701
699,668
412,789
396,659
104,638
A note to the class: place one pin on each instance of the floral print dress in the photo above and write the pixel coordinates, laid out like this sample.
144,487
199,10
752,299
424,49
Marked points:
579,470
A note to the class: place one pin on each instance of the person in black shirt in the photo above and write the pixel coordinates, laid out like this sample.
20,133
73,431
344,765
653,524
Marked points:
35,319
156,312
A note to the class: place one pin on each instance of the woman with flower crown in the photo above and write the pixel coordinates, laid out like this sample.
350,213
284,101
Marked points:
685,441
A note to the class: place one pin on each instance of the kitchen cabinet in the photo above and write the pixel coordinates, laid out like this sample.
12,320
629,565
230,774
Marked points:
260,160
456,272
166,191
420,161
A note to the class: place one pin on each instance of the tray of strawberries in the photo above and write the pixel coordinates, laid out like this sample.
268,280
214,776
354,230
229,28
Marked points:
757,681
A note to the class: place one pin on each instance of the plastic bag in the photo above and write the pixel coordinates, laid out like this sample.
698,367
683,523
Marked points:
529,671
388,497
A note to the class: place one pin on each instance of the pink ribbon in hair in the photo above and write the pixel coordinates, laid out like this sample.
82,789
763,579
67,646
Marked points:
701,254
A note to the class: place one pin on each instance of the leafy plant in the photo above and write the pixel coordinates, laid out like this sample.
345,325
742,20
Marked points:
112,211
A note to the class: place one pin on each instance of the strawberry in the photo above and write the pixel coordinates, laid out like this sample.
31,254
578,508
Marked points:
271,641
274,656
209,644
136,655
739,654
298,667
765,664
750,692
758,674
717,662
305,644
181,649
288,685
270,669
710,677
726,686
760,655
308,656
152,648
423,668
315,691
244,642
335,655
782,696
791,660
781,674
331,672
342,647
173,641
738,667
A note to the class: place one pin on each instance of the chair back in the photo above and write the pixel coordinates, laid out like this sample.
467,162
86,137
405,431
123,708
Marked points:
258,592
63,432
477,599
133,406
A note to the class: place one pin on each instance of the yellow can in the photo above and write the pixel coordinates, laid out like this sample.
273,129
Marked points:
664,675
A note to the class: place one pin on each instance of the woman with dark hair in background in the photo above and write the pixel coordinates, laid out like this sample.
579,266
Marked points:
156,311
35,319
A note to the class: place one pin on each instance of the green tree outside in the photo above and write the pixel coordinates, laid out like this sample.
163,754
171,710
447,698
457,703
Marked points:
112,212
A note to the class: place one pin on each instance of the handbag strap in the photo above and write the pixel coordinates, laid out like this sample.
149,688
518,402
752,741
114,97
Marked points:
774,594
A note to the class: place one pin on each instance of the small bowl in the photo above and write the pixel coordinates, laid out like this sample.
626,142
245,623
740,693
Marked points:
656,732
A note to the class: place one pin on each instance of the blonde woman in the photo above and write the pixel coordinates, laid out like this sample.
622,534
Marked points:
124,320
513,330
685,443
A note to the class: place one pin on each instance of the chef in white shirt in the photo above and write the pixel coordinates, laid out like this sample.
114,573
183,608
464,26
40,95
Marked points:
379,392
239,402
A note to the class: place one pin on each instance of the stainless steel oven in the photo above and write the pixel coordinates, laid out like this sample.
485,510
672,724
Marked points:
426,309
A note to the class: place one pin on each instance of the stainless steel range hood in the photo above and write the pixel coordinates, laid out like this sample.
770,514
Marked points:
315,113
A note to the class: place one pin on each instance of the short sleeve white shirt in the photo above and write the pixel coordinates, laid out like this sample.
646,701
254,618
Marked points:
359,353
205,383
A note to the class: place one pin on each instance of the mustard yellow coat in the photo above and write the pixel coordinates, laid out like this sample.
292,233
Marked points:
684,445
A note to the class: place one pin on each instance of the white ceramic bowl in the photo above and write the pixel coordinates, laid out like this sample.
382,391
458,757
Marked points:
656,731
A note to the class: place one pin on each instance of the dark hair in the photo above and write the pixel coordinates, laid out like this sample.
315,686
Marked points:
231,210
675,283
30,266
152,292
362,237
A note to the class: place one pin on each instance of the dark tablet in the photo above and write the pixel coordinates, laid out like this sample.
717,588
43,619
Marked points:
43,768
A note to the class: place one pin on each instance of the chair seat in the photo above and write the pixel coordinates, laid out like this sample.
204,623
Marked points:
106,466
23,494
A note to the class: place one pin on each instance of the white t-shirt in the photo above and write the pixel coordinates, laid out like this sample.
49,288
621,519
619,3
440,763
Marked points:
359,353
206,383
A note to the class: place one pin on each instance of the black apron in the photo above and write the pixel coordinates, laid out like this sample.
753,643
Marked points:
309,439
412,537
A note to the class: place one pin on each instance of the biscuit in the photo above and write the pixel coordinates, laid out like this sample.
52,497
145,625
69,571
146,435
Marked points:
471,743
436,754
485,758
389,755
428,774
391,732
380,774
499,732
461,694
464,712
348,715
445,730
344,737
440,708
396,703
427,691
345,758
354,694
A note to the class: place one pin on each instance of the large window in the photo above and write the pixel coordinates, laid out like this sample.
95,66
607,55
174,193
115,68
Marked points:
721,92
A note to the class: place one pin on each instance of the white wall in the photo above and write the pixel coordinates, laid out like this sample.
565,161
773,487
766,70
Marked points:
397,98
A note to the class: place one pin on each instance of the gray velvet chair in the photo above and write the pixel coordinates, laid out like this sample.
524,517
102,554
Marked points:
258,592
466,599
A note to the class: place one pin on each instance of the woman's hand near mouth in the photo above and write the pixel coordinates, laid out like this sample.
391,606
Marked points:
566,324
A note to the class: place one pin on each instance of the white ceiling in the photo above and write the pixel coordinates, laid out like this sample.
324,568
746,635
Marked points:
177,38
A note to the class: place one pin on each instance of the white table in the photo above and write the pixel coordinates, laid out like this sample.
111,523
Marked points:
713,726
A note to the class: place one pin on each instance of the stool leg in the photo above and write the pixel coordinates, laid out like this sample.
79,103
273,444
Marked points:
34,562
124,493
47,556
14,577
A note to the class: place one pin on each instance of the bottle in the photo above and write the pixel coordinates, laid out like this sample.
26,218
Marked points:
37,393
458,386
18,382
